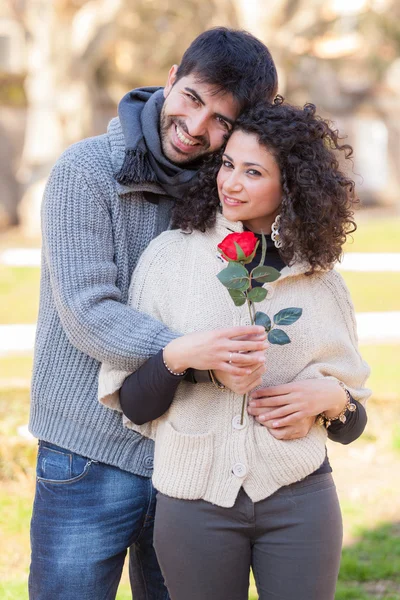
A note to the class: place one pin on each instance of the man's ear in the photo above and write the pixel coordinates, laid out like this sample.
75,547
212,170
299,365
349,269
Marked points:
171,80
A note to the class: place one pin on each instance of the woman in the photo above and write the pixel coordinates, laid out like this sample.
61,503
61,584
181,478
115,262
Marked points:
232,495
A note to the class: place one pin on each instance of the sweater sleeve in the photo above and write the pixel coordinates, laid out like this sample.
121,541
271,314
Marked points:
345,433
338,356
78,248
151,288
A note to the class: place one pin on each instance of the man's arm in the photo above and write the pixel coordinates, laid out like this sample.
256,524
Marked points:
79,250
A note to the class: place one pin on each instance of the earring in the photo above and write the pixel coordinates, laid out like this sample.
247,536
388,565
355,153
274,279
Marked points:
275,232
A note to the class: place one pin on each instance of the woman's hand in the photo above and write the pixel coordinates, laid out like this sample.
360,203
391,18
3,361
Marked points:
289,410
241,384
234,350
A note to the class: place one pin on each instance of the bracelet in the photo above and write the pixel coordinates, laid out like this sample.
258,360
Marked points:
220,386
324,420
171,371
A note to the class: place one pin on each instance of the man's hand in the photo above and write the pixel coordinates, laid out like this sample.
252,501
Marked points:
289,410
234,350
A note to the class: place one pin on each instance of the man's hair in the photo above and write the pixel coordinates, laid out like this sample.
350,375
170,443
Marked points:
233,61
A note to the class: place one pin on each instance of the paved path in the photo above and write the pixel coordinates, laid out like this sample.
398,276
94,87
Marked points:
373,328
378,327
352,261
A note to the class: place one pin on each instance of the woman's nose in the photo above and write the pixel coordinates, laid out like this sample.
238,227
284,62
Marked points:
232,183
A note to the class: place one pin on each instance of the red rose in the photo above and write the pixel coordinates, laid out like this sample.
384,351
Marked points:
246,240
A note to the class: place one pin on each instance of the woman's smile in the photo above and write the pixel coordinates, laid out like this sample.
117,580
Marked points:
232,201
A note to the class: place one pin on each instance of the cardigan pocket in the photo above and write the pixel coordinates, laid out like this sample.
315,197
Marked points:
285,461
182,462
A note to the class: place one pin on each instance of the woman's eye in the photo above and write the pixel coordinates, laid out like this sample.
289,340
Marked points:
253,172
227,164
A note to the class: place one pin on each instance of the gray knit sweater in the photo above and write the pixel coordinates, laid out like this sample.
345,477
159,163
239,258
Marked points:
94,231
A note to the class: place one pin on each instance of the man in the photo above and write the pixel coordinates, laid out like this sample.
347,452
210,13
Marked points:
106,199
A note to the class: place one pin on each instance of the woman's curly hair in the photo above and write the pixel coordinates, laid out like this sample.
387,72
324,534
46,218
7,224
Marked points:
318,199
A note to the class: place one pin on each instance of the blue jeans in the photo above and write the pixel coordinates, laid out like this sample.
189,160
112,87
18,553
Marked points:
85,516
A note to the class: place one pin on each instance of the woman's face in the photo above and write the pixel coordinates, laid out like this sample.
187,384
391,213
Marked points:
249,183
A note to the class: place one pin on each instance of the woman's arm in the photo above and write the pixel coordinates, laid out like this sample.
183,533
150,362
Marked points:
348,432
148,393
289,410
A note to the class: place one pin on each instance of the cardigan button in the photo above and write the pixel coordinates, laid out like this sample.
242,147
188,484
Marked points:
236,422
239,469
148,462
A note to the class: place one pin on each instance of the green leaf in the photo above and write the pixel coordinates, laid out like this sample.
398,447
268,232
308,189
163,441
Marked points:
278,336
287,316
264,320
265,274
257,294
238,297
234,277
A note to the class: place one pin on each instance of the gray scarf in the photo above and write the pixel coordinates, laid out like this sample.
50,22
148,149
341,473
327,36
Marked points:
139,114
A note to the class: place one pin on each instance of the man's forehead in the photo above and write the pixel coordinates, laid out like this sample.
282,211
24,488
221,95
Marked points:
206,88
209,92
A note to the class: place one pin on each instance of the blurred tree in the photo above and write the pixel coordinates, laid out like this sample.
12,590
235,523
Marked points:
344,56
85,54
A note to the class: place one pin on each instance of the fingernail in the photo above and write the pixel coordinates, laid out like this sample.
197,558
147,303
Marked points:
262,418
252,404
275,424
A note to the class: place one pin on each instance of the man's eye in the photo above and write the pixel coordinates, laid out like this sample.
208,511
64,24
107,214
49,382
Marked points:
192,98
224,124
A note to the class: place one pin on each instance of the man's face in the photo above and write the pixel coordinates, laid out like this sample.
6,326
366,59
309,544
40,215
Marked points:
194,120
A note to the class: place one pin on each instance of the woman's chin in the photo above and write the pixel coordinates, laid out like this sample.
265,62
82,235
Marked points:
230,215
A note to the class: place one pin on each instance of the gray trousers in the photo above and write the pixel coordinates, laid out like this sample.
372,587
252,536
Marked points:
291,540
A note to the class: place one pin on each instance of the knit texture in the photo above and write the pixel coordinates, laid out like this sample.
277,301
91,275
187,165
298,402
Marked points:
199,453
94,231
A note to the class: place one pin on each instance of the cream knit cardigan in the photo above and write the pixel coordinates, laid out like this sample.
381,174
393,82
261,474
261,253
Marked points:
200,452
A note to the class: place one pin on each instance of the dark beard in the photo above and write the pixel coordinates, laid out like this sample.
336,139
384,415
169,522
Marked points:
165,124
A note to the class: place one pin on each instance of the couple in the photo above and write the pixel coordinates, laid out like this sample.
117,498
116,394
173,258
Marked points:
231,495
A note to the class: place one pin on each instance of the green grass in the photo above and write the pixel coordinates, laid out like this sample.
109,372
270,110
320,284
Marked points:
372,292
371,566
375,234
19,288
374,558
15,513
396,438
15,368
385,376
19,291
17,455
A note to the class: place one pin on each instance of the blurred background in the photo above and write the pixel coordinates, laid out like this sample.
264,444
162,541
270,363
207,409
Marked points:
64,65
